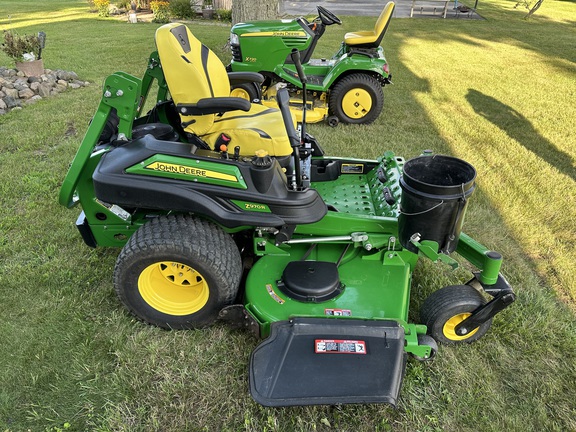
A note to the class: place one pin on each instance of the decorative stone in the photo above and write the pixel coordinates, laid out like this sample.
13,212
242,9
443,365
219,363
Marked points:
3,105
33,99
11,102
66,75
11,93
44,89
26,93
34,86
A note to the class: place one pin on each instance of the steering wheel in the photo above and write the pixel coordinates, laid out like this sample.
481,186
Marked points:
327,17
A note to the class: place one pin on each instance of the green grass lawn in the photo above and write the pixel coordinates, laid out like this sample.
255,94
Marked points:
499,93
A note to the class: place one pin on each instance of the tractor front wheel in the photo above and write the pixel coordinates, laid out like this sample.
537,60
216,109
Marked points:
178,272
356,98
444,309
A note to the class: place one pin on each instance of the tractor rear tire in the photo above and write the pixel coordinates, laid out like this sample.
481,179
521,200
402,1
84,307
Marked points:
249,91
178,272
357,99
444,309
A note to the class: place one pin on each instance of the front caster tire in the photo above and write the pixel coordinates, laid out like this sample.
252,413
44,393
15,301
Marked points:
427,340
444,309
333,121
356,98
178,272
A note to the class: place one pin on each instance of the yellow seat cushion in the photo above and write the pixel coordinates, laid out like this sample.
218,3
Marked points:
193,72
260,128
360,37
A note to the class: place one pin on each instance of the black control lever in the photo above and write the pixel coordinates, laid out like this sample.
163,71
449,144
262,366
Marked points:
295,54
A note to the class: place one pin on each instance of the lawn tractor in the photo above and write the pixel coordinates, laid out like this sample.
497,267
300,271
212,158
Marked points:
224,211
345,88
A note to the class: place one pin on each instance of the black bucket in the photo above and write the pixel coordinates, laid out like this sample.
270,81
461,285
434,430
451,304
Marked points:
435,191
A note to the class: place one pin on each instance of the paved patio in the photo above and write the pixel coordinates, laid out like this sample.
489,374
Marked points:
422,8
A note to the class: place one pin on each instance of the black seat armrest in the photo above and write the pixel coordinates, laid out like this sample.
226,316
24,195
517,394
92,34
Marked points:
214,106
245,77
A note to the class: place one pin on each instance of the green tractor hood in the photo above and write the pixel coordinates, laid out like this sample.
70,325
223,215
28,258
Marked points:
261,45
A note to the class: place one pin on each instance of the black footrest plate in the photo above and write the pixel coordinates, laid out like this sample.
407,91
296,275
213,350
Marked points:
323,361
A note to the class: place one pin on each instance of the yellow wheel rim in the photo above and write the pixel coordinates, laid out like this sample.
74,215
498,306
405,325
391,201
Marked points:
356,103
240,93
451,324
173,288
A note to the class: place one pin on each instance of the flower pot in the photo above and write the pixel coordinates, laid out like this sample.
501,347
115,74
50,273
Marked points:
31,68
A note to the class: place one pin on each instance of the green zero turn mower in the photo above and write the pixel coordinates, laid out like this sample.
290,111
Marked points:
224,212
345,88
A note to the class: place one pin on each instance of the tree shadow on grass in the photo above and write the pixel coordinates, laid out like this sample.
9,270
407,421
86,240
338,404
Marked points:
520,129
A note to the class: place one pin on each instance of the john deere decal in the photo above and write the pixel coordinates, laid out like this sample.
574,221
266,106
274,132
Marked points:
196,172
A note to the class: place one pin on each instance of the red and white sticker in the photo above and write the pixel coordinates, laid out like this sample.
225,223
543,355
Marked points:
339,346
337,312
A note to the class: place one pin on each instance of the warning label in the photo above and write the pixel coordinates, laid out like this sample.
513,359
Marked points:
273,294
338,312
352,168
337,346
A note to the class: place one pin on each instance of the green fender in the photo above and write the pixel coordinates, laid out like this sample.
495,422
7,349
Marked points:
355,64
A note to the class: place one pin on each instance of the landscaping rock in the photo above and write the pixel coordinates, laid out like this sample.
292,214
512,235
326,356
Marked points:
11,102
16,89
33,99
44,89
66,75
11,92
27,93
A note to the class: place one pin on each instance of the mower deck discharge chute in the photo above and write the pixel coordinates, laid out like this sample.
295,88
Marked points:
207,190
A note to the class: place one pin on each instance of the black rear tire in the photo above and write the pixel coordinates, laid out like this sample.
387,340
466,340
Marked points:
446,308
249,91
178,272
357,98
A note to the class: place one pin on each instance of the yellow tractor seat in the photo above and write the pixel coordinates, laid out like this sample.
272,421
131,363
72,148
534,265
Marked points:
372,38
200,88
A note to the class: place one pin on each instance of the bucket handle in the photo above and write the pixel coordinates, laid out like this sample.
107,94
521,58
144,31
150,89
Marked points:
422,212
463,199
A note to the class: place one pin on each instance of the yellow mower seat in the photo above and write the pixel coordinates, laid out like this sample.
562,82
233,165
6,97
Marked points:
372,37
194,73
